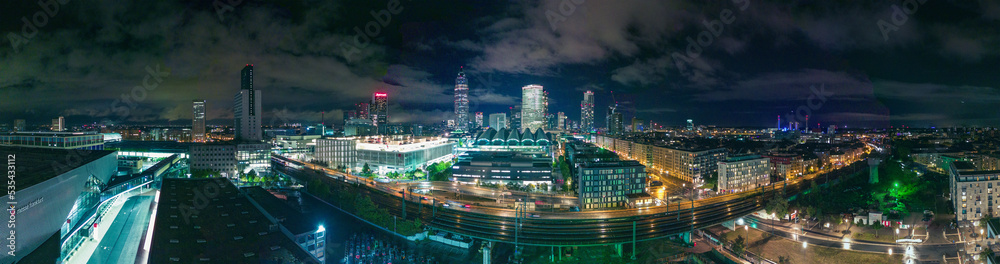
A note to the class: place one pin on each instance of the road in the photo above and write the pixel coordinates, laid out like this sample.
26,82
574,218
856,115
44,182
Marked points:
563,228
924,252
121,241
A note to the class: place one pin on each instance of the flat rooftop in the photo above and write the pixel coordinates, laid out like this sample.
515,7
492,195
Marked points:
210,221
295,221
37,165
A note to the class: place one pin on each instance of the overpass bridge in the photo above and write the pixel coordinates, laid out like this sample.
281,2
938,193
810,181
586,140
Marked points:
587,228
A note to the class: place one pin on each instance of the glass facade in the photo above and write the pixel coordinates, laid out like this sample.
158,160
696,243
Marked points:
52,140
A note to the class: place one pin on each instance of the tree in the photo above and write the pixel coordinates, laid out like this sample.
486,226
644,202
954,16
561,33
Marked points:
366,170
784,260
739,244
987,253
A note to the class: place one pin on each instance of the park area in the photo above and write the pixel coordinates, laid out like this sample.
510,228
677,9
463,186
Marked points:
774,247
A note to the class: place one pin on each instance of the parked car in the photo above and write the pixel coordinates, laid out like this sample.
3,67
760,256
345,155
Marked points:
535,216
574,209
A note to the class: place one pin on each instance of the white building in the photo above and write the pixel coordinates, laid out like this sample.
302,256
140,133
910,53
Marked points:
401,154
229,159
972,191
337,152
498,121
532,107
743,173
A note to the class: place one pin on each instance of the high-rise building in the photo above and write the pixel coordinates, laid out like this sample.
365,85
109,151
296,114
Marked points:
479,119
832,129
532,107
551,121
515,118
587,112
19,125
690,124
198,121
461,101
379,108
247,107
616,124
58,124
561,122
498,121
362,111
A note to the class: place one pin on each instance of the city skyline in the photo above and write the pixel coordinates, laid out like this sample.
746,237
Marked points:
953,74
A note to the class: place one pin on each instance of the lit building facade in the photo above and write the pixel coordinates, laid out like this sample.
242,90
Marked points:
608,184
59,124
975,193
401,154
54,140
247,108
198,121
337,152
743,173
532,107
462,102
479,119
587,112
379,109
498,121
501,168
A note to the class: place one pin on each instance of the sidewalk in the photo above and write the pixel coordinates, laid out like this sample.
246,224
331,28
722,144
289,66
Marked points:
83,252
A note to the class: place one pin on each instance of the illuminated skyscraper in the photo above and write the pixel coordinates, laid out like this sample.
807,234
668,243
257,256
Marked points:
246,108
561,123
532,107
479,119
587,112
515,118
379,108
198,121
361,111
461,101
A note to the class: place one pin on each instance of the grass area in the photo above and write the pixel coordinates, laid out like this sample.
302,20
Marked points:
773,246
883,236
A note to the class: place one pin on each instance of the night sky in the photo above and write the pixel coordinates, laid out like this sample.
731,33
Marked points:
939,67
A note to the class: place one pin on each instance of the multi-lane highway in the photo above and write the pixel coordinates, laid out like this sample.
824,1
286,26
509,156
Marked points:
563,228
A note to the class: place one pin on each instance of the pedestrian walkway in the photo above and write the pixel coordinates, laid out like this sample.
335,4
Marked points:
84,253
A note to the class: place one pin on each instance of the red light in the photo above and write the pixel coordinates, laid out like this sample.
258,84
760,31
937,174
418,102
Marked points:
380,94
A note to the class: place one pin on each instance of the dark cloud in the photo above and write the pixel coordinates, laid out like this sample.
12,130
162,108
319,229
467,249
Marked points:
939,66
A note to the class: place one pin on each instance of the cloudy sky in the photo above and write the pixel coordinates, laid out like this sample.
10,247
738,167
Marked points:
729,63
